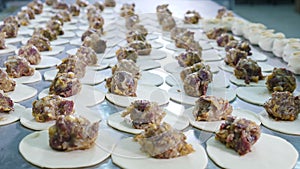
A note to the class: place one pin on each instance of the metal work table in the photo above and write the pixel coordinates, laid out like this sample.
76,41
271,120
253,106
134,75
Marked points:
13,133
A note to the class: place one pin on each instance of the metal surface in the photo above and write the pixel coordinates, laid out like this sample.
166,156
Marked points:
11,135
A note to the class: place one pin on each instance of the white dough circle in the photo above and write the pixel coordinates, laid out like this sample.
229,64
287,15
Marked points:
59,41
54,51
148,65
241,82
46,62
219,80
124,123
148,78
22,92
28,120
67,34
14,40
8,49
255,95
36,77
171,46
214,126
210,55
269,152
144,92
38,143
287,127
174,67
91,77
108,54
88,96
264,67
127,154
177,94
154,55
12,116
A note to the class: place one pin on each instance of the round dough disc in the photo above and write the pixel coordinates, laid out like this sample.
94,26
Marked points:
255,95
264,67
127,154
22,92
47,62
268,152
148,78
36,77
174,67
12,116
287,127
67,34
171,46
91,77
177,94
144,92
219,80
59,41
211,55
241,82
55,51
88,96
38,143
28,120
13,40
214,126
124,123
154,55
8,49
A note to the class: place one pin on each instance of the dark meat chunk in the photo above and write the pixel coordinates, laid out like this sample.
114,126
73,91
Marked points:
188,58
196,84
72,64
55,26
6,104
2,40
122,83
210,108
135,35
238,134
74,10
192,69
110,3
281,80
46,32
82,3
65,85
72,133
95,42
87,55
248,70
18,66
31,54
7,84
192,17
50,107
283,106
224,39
40,42
127,66
143,112
241,45
10,30
163,142
216,32
233,56
127,53
142,48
